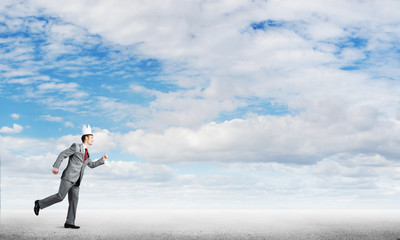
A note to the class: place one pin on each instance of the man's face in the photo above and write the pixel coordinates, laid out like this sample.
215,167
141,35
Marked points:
90,140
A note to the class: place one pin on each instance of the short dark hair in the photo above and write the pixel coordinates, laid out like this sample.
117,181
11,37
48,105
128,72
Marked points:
84,137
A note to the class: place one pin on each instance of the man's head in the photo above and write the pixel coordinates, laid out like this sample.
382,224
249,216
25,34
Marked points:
87,139
87,135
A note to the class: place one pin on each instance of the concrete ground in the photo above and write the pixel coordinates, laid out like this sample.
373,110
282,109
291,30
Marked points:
203,224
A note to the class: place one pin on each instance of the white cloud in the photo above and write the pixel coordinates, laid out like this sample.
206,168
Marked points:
69,95
140,89
52,118
115,109
29,164
243,185
104,141
217,53
346,178
302,139
214,50
69,124
135,171
25,146
15,129
15,116
72,89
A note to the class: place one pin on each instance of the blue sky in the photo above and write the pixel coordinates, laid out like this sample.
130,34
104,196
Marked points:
204,104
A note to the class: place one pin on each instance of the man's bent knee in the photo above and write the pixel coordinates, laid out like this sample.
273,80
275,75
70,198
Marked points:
59,197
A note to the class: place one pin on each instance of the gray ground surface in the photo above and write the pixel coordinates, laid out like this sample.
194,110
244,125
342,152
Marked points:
203,224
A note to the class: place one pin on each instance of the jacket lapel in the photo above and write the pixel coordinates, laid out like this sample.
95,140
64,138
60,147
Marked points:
82,151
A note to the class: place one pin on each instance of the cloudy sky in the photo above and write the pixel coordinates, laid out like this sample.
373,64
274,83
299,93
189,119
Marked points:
203,104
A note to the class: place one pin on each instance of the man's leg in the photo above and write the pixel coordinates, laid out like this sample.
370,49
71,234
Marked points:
58,197
73,197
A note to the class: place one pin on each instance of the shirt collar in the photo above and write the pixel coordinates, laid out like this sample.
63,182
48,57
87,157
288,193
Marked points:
84,146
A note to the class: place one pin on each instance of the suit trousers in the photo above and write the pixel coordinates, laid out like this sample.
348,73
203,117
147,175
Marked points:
73,196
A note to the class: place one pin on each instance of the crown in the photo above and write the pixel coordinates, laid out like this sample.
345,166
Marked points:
86,130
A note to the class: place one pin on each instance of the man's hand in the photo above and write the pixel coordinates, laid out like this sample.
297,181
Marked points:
55,170
105,157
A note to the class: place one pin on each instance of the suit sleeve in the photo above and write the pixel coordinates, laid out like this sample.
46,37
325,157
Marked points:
97,163
64,154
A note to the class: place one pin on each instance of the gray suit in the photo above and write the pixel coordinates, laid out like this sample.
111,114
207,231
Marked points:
70,178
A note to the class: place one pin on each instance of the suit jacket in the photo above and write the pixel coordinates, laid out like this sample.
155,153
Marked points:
76,167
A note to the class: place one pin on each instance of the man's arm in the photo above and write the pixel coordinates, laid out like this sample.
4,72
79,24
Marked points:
99,162
64,154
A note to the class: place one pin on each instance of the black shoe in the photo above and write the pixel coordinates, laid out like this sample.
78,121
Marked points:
66,225
36,208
